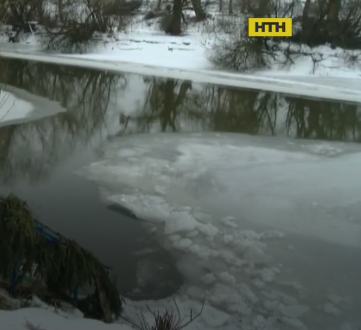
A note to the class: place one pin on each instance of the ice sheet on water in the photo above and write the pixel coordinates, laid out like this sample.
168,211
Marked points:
17,106
207,188
298,184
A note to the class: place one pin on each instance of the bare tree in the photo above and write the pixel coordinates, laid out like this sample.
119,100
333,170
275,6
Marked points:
176,23
334,7
198,10
245,6
230,7
305,20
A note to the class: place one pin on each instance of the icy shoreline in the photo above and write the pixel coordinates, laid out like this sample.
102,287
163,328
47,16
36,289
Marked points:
284,85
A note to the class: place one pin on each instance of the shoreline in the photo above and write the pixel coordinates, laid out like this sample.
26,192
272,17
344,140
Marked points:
275,84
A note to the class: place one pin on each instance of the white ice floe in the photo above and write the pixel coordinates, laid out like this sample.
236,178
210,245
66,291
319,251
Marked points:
17,106
13,108
226,174
230,205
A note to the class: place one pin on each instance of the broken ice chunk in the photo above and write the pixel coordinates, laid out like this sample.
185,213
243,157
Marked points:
331,309
208,230
267,275
208,278
255,255
334,298
214,318
248,294
227,278
293,323
294,311
182,244
229,221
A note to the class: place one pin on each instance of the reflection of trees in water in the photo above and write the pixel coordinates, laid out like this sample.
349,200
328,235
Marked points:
324,120
242,111
172,105
246,111
32,149
167,105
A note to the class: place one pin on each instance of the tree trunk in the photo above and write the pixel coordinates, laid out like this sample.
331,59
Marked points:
262,9
334,7
197,7
60,11
220,5
243,6
159,4
305,21
230,7
39,10
175,28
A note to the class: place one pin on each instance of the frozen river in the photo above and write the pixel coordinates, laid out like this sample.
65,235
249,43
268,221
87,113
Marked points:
256,195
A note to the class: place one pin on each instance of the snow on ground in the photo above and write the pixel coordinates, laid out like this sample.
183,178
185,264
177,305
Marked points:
152,47
321,61
191,51
45,317
17,105
146,50
258,225
49,320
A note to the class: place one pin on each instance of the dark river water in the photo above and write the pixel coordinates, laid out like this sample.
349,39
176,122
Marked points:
38,159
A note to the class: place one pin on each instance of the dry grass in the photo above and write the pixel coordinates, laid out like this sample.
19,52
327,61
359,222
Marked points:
166,320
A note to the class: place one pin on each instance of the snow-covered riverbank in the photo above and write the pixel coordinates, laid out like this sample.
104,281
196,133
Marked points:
323,87
145,50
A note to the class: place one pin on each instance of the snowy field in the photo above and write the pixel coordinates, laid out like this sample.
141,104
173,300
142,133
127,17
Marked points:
17,106
267,230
